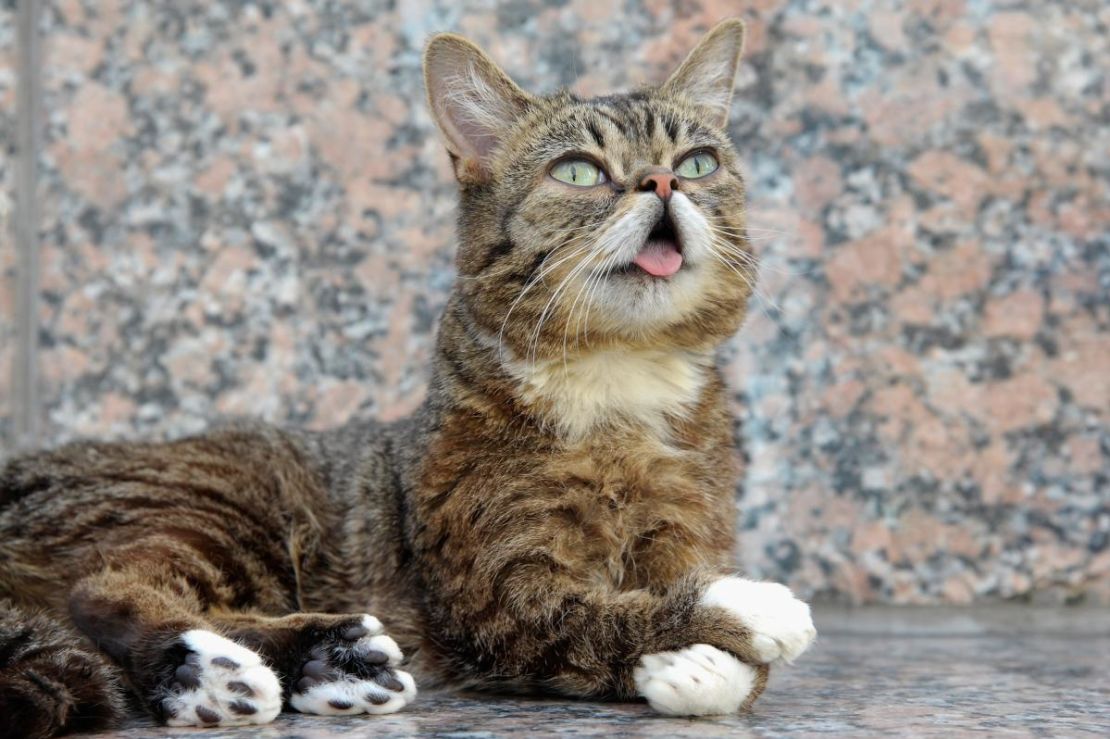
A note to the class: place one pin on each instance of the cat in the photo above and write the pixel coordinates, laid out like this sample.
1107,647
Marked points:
558,516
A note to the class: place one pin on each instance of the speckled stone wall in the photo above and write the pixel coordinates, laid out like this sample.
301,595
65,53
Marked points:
8,109
245,211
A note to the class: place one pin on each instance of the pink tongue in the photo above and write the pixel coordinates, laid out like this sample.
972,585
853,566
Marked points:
659,258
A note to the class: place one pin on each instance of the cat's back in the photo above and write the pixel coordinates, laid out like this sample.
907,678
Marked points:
230,454
241,488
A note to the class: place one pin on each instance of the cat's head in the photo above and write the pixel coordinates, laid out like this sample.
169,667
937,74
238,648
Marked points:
596,223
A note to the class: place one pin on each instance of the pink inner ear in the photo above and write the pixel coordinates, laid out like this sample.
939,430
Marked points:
474,102
479,139
473,139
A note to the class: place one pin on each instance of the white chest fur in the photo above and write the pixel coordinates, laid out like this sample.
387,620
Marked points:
641,387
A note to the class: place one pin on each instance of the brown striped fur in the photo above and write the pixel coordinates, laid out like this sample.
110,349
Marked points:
551,513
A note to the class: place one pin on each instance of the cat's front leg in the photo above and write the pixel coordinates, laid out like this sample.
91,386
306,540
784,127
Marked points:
781,625
701,680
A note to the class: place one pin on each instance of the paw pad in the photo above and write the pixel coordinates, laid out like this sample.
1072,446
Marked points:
220,684
353,670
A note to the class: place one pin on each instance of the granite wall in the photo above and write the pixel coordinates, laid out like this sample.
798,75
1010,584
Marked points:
8,250
244,210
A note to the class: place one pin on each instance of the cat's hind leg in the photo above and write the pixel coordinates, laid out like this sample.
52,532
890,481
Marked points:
51,682
332,664
217,682
149,616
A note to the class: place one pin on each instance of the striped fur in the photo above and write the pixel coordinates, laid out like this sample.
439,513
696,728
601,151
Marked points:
551,515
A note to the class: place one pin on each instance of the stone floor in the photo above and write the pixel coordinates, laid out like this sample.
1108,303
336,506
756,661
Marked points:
1006,671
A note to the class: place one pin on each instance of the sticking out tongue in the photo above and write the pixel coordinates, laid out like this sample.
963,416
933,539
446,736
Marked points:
659,258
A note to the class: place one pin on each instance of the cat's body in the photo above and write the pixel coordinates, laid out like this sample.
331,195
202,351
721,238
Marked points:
557,517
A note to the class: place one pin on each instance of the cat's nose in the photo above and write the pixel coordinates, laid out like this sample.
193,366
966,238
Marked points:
661,181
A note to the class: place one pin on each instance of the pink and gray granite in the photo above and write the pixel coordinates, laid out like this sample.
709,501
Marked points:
245,210
8,253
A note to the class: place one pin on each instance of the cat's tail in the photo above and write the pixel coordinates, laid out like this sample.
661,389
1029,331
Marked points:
51,682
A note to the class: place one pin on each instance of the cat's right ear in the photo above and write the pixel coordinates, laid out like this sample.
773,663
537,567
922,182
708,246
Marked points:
708,75
472,101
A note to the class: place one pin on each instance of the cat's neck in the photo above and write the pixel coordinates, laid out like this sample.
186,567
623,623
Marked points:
622,387
639,389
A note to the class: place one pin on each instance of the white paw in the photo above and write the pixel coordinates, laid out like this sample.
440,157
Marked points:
221,684
349,676
781,625
699,680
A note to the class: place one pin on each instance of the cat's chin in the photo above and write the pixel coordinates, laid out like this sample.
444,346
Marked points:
636,299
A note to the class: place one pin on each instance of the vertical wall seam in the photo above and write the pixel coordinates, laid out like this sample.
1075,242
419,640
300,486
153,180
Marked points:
26,401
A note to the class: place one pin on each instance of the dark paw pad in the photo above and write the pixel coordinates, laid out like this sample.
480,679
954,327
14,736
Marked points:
352,669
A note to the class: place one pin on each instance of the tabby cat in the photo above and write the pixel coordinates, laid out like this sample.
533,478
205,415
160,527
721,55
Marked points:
558,516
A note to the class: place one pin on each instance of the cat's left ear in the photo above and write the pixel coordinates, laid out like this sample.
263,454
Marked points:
708,75
473,102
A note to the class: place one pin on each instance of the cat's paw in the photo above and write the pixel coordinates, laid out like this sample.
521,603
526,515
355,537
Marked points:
353,670
220,683
781,625
699,680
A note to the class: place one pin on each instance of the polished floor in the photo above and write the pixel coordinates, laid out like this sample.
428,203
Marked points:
997,671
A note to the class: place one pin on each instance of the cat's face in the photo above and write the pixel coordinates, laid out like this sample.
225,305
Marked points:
587,224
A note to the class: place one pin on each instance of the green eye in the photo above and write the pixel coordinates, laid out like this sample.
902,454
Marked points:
578,172
697,165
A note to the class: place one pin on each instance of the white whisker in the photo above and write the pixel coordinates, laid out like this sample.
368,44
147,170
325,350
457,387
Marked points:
542,272
554,296
606,265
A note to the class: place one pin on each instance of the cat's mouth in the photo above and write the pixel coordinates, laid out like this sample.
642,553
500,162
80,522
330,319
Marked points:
661,254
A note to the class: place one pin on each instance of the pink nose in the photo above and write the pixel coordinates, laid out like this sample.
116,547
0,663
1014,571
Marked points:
661,182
